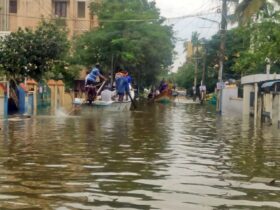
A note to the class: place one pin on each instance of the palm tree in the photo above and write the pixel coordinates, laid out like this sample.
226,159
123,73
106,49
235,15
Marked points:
246,9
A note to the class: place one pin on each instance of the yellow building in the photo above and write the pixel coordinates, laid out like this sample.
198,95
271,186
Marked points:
189,50
74,14
192,51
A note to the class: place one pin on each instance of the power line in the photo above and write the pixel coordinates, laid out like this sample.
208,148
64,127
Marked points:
194,21
114,21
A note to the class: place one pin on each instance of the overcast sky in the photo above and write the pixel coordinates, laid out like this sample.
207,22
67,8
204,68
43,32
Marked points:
173,8
184,27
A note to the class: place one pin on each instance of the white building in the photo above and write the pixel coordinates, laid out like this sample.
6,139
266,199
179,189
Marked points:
261,97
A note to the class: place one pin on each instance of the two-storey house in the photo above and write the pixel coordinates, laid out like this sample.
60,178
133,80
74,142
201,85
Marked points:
74,14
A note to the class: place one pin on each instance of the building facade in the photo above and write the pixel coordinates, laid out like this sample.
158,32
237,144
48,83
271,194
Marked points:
74,14
259,102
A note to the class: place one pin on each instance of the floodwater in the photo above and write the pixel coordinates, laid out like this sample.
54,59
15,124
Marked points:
173,157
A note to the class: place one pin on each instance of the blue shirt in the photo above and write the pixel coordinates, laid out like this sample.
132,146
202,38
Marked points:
93,74
122,85
129,79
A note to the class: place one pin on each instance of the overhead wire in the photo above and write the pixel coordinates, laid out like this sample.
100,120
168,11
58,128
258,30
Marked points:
122,20
194,22
189,17
179,18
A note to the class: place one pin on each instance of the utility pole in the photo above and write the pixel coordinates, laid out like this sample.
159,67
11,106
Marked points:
196,67
195,71
204,48
204,65
222,54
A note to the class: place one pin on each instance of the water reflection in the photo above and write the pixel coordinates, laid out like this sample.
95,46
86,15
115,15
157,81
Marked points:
158,157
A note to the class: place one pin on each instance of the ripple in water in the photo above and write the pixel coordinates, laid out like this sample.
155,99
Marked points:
164,157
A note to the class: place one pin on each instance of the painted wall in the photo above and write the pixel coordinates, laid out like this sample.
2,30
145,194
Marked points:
30,13
4,15
267,105
231,104
256,78
247,89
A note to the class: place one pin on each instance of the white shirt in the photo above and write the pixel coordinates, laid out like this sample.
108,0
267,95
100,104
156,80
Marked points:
202,88
106,95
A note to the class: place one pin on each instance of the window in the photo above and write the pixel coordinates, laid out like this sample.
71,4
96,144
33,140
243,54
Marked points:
60,8
81,9
13,6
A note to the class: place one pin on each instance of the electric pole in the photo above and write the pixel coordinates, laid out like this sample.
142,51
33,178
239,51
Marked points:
204,65
222,54
195,70
196,67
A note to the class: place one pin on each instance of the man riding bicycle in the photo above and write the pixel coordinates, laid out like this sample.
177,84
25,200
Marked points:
91,78
91,82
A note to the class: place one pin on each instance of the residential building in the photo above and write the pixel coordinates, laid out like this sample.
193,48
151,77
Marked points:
189,50
192,51
261,96
3,15
74,14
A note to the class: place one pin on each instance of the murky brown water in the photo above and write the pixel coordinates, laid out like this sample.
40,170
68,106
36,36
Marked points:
165,157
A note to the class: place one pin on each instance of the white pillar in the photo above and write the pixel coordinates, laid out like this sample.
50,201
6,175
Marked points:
278,124
256,101
35,99
247,89
55,97
275,115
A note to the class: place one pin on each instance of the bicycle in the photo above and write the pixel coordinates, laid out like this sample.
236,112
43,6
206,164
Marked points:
91,92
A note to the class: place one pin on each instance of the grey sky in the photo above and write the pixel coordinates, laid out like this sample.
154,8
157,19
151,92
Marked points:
184,27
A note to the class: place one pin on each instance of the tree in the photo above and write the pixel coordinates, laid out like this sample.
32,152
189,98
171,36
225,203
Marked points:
28,53
185,75
246,9
131,34
265,43
264,33
237,41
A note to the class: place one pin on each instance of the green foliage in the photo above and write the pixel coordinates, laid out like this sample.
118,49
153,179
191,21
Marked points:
247,48
237,41
265,43
130,34
195,39
185,75
67,73
33,53
246,9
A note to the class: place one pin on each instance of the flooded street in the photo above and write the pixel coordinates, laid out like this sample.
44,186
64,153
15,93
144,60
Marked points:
173,157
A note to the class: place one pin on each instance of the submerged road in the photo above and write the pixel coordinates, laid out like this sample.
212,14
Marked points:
172,157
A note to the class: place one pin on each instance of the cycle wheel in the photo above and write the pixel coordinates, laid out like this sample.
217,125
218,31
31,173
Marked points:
91,95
